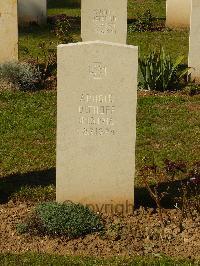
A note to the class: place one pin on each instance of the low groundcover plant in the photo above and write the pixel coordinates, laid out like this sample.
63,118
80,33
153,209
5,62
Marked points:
22,75
67,219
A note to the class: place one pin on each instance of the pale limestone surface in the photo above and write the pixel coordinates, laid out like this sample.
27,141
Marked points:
8,31
104,20
178,13
194,50
96,124
32,11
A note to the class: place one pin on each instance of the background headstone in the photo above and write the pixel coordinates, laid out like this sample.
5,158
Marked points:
178,13
96,124
194,50
32,11
8,31
104,20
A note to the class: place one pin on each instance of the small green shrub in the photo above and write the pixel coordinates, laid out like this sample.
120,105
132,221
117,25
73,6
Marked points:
192,89
47,65
144,22
22,228
68,219
160,73
62,30
21,75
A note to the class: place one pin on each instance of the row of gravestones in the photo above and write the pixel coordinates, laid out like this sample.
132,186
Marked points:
97,99
177,12
35,10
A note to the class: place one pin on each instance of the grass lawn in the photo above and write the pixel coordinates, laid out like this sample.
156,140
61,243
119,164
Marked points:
167,127
174,42
135,7
53,260
28,131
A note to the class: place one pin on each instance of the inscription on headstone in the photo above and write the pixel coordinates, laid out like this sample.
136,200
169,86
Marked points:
104,20
96,115
8,31
96,124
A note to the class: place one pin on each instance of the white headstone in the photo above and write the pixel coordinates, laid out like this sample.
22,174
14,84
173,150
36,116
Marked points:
8,31
32,11
96,125
104,20
194,50
178,13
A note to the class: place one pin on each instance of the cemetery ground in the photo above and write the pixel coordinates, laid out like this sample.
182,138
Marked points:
167,151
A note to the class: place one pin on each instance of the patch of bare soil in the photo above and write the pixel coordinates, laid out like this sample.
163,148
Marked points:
138,234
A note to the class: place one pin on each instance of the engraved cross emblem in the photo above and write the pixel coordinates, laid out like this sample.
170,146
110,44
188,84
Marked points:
97,70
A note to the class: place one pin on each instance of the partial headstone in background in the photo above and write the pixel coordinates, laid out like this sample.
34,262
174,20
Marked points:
194,50
104,20
32,11
96,125
8,31
178,13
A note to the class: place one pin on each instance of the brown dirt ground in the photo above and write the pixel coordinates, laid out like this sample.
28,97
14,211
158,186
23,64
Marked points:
138,234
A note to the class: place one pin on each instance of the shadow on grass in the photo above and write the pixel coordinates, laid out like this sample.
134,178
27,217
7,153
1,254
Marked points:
64,4
172,190
11,184
36,30
48,30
